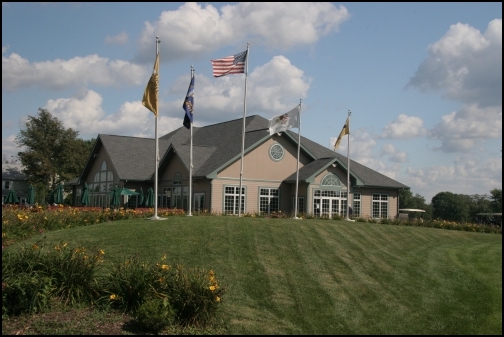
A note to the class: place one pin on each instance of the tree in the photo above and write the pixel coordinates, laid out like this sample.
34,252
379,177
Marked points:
408,200
52,153
452,207
496,200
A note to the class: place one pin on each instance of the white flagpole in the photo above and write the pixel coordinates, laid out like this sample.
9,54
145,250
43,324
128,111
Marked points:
191,158
243,131
155,216
297,168
348,171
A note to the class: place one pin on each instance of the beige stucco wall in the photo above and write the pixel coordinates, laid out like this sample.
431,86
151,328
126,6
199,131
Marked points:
259,170
367,201
258,164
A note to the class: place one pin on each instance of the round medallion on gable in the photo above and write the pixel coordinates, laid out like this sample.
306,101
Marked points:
276,152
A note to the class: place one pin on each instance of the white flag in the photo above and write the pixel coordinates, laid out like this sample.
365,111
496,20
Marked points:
285,121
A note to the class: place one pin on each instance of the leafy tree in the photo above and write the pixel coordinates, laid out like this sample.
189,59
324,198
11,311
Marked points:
452,207
52,153
496,200
408,200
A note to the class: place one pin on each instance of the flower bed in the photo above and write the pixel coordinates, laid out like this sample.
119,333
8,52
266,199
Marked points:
21,222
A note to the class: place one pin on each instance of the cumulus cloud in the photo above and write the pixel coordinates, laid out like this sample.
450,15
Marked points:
270,91
394,154
9,147
459,131
466,174
18,72
465,65
85,114
193,29
121,38
404,127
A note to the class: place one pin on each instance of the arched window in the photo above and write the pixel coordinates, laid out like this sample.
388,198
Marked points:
104,166
331,179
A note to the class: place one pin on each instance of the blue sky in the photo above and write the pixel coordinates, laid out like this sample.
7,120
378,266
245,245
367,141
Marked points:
423,80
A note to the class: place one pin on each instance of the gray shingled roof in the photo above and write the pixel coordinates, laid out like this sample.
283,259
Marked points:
132,157
12,172
217,145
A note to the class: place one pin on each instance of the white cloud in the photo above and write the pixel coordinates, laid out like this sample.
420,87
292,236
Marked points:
404,127
9,147
394,154
459,131
18,72
270,90
193,29
466,174
121,38
465,65
84,113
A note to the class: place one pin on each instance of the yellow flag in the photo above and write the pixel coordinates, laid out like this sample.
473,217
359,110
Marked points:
344,131
150,97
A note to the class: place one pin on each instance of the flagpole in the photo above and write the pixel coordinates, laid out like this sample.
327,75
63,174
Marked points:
243,132
297,168
348,171
191,158
155,216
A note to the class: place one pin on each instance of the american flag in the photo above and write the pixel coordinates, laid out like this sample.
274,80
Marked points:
229,65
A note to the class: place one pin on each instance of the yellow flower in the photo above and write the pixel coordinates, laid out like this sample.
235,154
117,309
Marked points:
217,299
165,266
35,246
212,288
113,296
102,252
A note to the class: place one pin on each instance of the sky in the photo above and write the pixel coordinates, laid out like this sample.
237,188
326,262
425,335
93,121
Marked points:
423,81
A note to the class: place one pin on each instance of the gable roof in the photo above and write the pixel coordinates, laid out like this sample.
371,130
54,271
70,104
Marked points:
13,172
132,157
216,146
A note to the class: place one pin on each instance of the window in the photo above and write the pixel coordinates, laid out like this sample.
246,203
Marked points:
99,190
300,205
7,185
166,197
330,180
231,199
199,201
177,179
177,197
380,206
268,200
276,152
356,204
329,203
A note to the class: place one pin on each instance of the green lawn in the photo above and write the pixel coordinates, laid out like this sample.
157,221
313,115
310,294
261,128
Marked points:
285,276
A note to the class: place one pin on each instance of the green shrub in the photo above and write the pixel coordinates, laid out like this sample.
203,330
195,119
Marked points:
155,315
194,294
74,272
25,293
69,272
129,285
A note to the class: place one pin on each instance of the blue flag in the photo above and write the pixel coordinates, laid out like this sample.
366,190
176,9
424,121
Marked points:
189,104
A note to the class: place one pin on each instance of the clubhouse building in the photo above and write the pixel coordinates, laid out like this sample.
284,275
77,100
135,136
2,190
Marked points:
268,180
